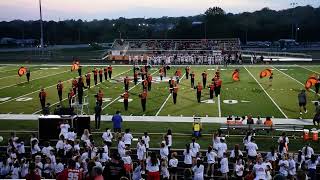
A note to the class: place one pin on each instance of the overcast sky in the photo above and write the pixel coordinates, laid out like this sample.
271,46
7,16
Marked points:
111,9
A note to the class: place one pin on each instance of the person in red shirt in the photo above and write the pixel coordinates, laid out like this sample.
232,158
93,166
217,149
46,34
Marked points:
149,79
175,93
192,76
204,78
135,78
70,95
42,97
126,82
125,97
71,173
106,73
95,76
100,74
60,89
88,76
99,97
143,97
211,90
32,175
187,72
110,71
199,89
217,89
74,85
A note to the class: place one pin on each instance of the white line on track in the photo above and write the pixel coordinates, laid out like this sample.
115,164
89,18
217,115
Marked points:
84,90
162,106
121,94
267,94
219,105
35,79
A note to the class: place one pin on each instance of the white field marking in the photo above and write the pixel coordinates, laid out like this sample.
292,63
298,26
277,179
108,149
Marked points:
309,69
267,94
164,103
34,79
219,105
83,91
33,92
16,74
293,79
121,94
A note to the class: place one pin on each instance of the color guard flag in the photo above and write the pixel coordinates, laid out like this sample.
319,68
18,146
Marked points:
311,81
236,75
265,73
75,65
22,70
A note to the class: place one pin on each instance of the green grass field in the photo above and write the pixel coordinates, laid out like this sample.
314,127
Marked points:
251,95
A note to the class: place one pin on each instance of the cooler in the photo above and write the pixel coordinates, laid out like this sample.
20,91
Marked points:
306,134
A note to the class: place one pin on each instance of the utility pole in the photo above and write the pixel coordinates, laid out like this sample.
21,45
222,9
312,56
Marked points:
41,25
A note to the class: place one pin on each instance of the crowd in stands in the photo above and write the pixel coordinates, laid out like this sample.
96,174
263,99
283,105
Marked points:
81,156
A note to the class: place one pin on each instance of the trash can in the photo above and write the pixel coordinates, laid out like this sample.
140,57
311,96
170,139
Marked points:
306,134
315,135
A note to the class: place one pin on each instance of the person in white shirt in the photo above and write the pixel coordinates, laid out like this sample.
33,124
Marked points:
247,138
24,168
187,157
312,167
152,166
15,174
235,153
68,149
146,140
239,169
211,159
292,167
173,164
60,146
71,135
107,136
221,148
164,170
85,136
46,149
127,138
259,170
224,166
284,166
198,170
194,147
141,150
307,151
35,147
299,159
121,147
164,151
252,149
64,128
169,136
127,163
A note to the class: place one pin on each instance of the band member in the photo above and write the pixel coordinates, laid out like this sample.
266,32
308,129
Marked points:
192,75
70,95
178,75
175,93
211,90
88,78
106,73
80,89
171,83
28,74
187,71
100,74
165,70
144,84
217,86
149,79
79,70
74,85
143,97
217,74
110,71
42,97
99,97
161,73
95,76
135,78
125,97
317,85
204,78
142,73
199,89
126,82
59,89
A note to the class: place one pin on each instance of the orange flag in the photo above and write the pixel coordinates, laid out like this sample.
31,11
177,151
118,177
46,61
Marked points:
311,81
265,73
236,75
22,70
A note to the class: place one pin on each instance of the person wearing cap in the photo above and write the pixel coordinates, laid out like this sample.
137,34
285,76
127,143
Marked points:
125,97
126,82
302,99
42,97
143,97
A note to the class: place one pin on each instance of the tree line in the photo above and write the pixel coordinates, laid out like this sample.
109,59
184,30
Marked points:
263,25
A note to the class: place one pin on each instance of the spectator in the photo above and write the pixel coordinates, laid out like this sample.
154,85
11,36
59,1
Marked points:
117,120
250,119
252,149
164,170
127,138
32,175
211,159
307,151
268,122
97,173
236,153
239,169
187,156
224,166
107,137
259,170
198,170
259,121
173,164
284,165
114,168
153,164
312,167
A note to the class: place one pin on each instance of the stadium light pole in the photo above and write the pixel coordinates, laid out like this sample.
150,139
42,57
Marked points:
41,25
293,4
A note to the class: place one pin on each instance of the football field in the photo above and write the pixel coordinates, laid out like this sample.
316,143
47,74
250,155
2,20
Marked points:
250,95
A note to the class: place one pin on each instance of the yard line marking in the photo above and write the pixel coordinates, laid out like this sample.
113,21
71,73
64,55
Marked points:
162,106
35,79
121,94
308,69
83,91
15,74
294,79
219,105
267,94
